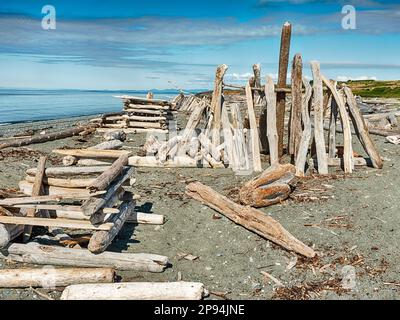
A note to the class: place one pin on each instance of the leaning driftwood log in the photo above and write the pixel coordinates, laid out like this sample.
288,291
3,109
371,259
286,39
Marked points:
348,148
249,218
51,255
306,135
362,130
135,291
37,190
108,176
45,137
92,205
272,186
51,277
102,239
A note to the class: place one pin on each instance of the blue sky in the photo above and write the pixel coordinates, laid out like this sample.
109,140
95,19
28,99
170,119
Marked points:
123,44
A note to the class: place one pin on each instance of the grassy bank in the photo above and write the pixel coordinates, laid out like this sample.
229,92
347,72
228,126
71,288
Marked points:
376,89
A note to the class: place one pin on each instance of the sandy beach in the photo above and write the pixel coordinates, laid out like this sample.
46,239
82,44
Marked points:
350,221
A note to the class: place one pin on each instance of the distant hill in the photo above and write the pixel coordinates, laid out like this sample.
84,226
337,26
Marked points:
375,89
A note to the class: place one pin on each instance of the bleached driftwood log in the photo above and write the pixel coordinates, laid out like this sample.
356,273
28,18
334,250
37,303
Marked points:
26,188
250,218
362,130
135,291
255,140
332,129
209,147
295,129
178,162
133,130
272,131
306,135
102,239
272,186
216,104
108,176
64,183
69,171
51,277
107,145
62,223
51,255
88,153
319,119
135,217
348,148
92,205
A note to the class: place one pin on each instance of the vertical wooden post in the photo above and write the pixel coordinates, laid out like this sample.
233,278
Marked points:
319,119
255,141
282,77
260,98
36,191
332,129
216,103
270,96
295,112
306,136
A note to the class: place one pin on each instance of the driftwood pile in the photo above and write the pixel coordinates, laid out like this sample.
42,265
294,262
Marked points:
139,115
187,103
214,136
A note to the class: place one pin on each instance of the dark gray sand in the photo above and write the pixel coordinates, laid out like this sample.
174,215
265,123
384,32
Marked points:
353,223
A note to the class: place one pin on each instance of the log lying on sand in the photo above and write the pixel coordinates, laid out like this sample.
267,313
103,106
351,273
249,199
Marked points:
108,176
51,255
102,239
135,291
133,130
272,186
45,137
26,188
69,171
51,277
88,153
106,145
62,223
250,218
178,162
64,183
135,217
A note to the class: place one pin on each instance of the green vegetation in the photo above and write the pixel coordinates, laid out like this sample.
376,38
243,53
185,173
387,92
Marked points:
375,89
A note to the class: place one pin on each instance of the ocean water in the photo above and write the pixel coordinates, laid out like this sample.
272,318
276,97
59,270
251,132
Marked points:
33,105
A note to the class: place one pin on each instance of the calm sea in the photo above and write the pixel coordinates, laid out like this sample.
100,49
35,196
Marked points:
33,105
